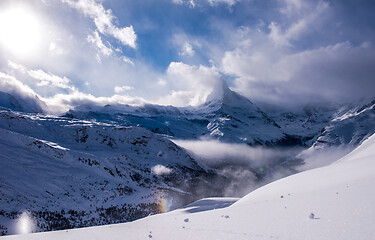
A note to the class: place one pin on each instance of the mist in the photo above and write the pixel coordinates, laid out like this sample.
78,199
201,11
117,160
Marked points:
315,158
243,167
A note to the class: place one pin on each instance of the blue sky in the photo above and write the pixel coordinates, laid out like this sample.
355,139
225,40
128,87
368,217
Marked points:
283,52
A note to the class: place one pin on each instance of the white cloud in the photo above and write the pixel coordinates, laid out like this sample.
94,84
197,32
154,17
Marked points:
186,45
10,84
57,103
61,103
299,25
104,21
191,85
16,66
179,2
122,89
187,50
193,3
160,170
340,72
161,82
271,66
228,2
127,60
291,6
47,79
28,99
97,41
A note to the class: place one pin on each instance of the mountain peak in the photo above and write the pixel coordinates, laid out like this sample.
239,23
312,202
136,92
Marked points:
224,96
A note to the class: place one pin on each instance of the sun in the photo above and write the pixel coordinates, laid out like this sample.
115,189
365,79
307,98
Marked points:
20,31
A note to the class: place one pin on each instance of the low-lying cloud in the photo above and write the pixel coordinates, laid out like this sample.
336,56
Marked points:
160,170
244,167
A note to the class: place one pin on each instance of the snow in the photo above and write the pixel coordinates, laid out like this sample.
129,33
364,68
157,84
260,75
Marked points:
53,164
332,202
349,127
226,115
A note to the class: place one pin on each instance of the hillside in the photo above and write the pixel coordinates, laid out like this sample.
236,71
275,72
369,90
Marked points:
333,202
70,173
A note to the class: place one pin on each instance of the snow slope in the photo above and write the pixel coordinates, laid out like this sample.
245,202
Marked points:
71,173
333,202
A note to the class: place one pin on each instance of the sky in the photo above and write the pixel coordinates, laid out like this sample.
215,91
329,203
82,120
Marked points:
174,52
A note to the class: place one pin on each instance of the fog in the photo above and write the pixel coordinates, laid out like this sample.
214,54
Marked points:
243,167
314,158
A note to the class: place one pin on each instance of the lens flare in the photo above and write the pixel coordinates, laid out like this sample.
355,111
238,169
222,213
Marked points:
25,223
163,204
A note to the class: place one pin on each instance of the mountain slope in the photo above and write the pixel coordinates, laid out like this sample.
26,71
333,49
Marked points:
349,126
68,173
226,115
25,103
333,202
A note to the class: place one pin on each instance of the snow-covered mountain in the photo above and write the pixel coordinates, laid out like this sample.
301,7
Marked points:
22,103
305,124
333,202
349,126
108,164
70,173
226,115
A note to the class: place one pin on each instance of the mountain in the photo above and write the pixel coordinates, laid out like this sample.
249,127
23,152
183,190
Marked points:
71,173
116,163
305,123
332,202
349,126
226,116
22,103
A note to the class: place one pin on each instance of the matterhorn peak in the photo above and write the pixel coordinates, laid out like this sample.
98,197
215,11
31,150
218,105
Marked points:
222,95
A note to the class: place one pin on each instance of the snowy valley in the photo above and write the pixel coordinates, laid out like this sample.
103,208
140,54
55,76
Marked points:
324,203
98,165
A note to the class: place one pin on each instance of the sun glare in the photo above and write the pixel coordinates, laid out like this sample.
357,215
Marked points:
25,224
20,31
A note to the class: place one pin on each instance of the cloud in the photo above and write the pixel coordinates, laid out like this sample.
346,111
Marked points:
26,97
160,170
340,72
187,50
17,66
122,89
193,3
178,1
215,153
314,157
189,84
127,60
97,41
228,2
60,103
104,21
51,79
245,168
299,26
